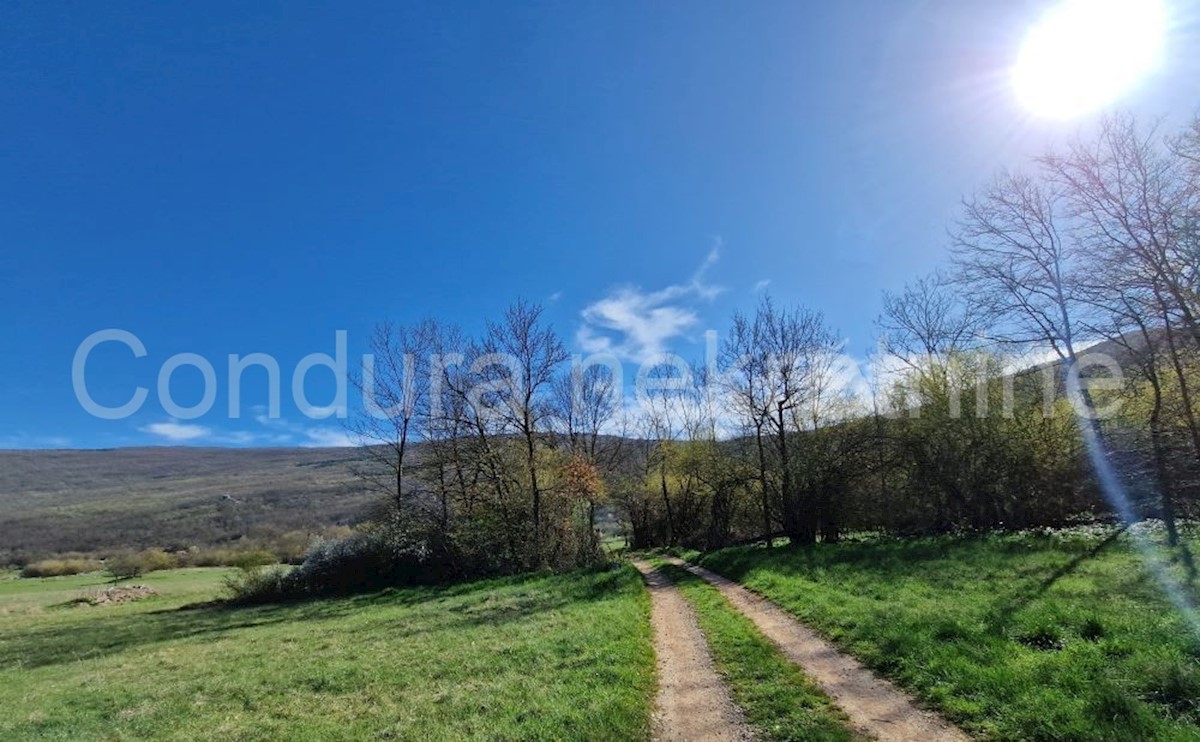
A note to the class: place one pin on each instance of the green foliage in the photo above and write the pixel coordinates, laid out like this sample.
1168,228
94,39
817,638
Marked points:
248,560
1024,636
125,565
285,548
258,584
973,449
363,562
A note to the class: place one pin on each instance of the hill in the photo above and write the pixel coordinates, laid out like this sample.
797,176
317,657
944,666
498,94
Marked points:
172,497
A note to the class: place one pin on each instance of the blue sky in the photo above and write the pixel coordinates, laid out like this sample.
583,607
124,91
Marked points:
230,178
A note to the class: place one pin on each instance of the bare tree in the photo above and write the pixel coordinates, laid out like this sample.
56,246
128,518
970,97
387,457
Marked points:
1134,208
395,385
925,320
1134,205
1015,266
532,354
744,365
585,402
773,365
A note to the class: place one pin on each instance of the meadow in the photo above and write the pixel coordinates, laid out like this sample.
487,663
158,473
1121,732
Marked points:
537,657
1063,635
1058,635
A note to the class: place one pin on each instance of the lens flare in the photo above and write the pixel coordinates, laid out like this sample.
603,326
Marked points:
1082,55
1114,492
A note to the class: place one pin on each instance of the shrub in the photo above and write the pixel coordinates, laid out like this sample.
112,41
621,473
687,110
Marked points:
195,557
59,567
367,561
362,562
292,547
260,585
247,560
135,564
230,557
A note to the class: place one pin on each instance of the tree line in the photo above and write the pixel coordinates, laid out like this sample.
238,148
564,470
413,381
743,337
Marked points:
986,408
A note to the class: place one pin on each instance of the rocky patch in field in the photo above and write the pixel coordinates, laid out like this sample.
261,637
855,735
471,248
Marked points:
114,594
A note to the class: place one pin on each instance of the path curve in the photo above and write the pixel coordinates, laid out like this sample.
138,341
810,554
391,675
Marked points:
693,701
875,707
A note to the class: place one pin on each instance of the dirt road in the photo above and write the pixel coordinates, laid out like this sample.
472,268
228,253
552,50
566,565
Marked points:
693,701
875,707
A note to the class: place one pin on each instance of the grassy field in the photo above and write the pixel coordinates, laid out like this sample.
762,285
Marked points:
1044,637
779,702
531,658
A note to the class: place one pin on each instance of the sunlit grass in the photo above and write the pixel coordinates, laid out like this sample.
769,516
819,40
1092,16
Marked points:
1015,637
548,657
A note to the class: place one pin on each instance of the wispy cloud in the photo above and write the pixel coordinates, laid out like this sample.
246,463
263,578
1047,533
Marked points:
760,285
270,432
327,438
285,432
177,432
26,441
634,324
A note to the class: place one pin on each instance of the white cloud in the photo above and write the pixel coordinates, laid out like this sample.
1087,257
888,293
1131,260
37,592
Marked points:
277,433
283,432
328,438
554,297
635,325
760,285
251,438
175,431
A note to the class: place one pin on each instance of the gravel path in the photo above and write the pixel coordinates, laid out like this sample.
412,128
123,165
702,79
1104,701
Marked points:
693,701
875,707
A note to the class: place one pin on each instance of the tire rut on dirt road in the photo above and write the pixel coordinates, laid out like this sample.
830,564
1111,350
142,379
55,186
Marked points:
693,700
875,707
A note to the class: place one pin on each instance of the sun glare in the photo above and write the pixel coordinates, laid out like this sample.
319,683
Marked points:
1086,54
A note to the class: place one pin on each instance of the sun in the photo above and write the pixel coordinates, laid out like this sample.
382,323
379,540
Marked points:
1082,55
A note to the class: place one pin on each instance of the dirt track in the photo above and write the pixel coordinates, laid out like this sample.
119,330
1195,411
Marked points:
693,701
875,707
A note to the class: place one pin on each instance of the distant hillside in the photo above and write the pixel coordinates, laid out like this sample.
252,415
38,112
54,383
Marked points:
55,501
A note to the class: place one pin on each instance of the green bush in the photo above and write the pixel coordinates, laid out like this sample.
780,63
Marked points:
247,560
287,548
360,563
195,557
137,563
260,585
59,567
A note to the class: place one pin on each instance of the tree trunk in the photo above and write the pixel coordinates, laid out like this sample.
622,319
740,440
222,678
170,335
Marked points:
765,489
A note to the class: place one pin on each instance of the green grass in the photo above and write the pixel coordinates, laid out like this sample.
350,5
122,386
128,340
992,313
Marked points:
25,603
545,657
778,700
1042,637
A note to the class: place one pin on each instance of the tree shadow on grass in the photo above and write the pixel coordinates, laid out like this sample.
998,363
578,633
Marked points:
493,603
1008,606
891,558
